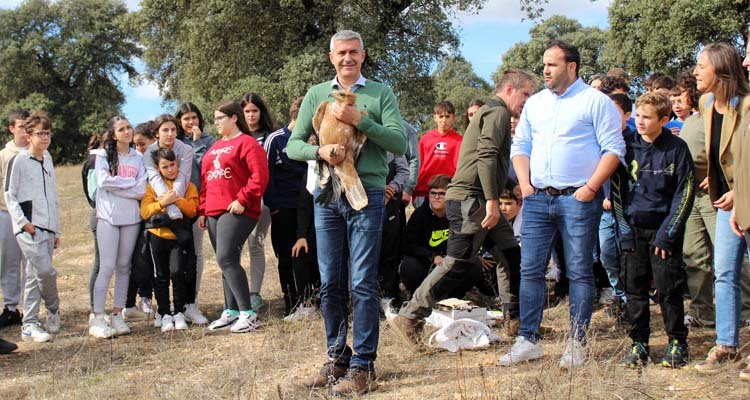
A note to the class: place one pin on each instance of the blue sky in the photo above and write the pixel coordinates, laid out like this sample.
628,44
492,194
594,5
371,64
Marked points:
484,38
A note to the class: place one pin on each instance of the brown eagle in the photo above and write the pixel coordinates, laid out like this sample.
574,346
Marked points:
342,178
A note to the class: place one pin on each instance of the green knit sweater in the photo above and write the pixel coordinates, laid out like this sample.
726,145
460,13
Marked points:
382,125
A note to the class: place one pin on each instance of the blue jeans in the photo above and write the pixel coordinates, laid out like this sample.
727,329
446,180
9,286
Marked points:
336,225
545,217
609,253
729,250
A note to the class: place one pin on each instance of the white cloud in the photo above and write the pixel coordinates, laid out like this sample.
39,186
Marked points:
147,91
133,5
509,11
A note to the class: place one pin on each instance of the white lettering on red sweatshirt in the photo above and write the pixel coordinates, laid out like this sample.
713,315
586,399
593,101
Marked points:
234,169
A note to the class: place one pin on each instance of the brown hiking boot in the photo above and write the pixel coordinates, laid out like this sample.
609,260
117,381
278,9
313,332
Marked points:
356,381
406,329
717,356
330,373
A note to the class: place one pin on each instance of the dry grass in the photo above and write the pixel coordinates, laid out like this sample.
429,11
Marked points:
268,364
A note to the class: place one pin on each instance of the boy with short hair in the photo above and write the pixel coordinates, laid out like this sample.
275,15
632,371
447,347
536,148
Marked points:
653,194
510,206
33,205
438,150
425,241
11,258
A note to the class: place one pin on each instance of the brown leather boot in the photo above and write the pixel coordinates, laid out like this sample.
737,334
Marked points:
330,373
406,328
356,381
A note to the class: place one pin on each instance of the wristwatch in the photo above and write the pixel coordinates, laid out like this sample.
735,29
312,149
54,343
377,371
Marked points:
317,155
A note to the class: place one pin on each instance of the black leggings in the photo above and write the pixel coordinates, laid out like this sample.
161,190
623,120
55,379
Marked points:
141,273
295,277
167,269
95,267
228,233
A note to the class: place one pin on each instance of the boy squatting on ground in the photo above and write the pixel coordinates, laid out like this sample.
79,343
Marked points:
31,196
653,194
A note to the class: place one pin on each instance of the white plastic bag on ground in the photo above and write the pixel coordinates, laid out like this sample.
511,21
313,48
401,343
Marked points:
463,334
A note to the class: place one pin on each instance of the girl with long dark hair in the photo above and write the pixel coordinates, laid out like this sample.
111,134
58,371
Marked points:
121,183
190,131
233,180
260,122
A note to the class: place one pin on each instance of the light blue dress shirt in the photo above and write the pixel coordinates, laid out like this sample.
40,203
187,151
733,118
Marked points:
361,81
565,136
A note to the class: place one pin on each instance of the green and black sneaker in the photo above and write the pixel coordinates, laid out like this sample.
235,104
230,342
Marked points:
676,356
637,356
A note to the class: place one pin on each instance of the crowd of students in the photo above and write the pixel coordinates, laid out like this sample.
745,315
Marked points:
669,212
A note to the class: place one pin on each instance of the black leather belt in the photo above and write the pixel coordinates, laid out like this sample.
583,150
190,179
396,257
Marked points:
556,192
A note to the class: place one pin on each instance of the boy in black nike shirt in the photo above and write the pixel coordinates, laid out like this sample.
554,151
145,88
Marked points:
426,237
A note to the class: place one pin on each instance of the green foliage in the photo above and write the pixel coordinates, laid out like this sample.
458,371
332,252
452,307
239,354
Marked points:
455,81
528,55
205,51
647,36
65,58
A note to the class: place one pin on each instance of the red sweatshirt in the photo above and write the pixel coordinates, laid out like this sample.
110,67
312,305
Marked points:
438,154
234,169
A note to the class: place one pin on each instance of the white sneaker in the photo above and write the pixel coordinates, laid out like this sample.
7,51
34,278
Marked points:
157,321
167,323
53,322
247,322
145,306
302,313
224,322
574,355
118,324
99,328
34,332
522,350
133,314
607,296
193,314
179,322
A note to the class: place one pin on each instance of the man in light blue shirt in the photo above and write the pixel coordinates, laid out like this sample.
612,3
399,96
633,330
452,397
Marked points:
567,143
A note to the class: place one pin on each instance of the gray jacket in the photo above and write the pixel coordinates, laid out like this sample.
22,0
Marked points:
31,193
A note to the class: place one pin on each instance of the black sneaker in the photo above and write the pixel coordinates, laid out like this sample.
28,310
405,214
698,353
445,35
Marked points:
7,347
637,356
676,356
8,318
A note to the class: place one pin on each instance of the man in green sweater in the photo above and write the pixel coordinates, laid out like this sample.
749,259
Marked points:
337,223
472,204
